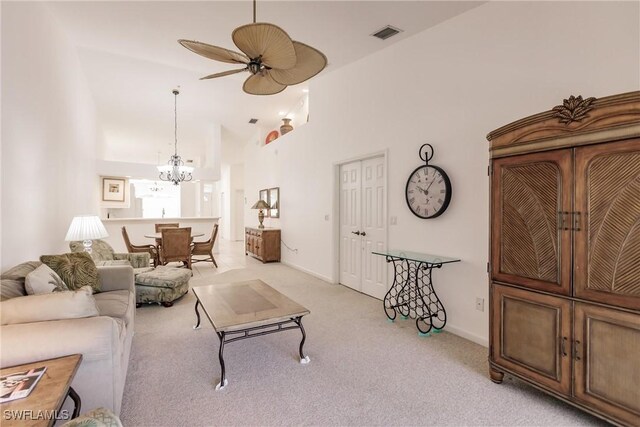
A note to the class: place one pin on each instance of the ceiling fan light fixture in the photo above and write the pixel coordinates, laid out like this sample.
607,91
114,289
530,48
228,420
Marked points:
273,59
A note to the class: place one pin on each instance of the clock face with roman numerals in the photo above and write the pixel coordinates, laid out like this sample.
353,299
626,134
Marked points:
428,191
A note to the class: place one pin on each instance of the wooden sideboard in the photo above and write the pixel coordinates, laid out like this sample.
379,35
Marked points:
262,243
565,252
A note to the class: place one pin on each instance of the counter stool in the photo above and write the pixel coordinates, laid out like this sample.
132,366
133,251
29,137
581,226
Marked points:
162,285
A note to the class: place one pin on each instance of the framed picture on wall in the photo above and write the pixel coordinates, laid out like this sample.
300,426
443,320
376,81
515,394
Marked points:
274,202
264,195
113,189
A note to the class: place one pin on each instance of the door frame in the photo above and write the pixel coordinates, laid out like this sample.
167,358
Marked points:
335,208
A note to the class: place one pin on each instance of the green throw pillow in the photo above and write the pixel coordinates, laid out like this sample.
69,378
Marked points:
76,269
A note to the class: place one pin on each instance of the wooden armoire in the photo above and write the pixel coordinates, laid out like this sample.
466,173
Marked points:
565,254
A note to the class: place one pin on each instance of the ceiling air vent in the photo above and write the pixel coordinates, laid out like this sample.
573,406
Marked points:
386,32
253,121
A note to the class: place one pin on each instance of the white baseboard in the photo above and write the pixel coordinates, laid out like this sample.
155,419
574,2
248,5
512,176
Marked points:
467,335
449,328
309,272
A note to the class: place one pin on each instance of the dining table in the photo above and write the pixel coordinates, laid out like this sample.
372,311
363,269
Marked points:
158,236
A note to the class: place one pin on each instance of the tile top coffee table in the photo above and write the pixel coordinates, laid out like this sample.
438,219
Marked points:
247,309
43,404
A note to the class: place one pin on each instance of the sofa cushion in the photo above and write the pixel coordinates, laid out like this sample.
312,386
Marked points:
43,280
116,304
20,271
76,269
11,288
53,306
12,280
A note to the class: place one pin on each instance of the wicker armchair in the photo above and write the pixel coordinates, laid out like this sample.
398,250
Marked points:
131,248
205,248
176,246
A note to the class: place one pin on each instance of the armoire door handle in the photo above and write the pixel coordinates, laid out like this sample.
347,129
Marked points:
363,233
576,221
357,233
576,348
563,346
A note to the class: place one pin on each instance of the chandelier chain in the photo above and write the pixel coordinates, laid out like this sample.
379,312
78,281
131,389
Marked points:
175,118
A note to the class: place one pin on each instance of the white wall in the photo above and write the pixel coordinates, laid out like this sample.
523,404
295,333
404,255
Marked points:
448,86
49,135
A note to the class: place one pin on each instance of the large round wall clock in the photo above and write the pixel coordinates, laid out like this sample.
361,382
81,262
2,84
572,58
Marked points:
428,190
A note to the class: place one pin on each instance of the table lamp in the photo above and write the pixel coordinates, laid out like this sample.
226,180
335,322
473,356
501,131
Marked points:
86,228
260,204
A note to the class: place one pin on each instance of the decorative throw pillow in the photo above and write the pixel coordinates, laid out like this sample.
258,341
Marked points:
76,269
12,280
53,306
43,280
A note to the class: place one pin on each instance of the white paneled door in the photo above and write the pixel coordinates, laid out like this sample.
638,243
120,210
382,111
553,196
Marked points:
363,226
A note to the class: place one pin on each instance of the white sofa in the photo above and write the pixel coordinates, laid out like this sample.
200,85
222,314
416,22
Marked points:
104,341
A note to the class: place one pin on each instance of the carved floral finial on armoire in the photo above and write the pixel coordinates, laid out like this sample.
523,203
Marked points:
573,109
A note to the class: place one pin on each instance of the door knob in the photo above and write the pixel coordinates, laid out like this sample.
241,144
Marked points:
356,233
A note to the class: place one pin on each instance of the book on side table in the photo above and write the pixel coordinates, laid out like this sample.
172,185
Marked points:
18,385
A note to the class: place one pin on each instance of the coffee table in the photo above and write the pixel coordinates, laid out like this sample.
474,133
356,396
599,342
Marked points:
248,309
43,405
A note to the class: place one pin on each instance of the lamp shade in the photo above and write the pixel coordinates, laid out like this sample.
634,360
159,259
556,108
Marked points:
261,204
86,227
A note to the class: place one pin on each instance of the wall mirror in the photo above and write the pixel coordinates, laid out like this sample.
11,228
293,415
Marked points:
274,202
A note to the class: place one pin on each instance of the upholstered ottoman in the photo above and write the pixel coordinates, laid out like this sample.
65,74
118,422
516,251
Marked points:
162,285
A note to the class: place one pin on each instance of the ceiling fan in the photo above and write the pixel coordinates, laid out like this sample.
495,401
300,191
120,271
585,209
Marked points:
273,59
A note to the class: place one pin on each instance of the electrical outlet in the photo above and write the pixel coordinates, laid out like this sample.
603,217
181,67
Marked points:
394,220
326,217
480,304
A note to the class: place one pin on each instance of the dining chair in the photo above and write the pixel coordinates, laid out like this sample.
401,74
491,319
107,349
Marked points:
205,248
131,248
159,227
176,246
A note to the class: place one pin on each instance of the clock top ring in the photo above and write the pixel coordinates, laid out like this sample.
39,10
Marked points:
426,153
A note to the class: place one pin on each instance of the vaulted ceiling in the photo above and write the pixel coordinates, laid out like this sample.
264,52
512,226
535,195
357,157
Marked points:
132,61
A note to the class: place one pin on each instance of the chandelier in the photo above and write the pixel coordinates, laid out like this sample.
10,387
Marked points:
175,170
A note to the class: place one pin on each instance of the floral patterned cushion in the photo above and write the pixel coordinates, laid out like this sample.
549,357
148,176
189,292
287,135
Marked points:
100,417
76,269
163,284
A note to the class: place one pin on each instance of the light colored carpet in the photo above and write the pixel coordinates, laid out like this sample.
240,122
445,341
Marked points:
363,370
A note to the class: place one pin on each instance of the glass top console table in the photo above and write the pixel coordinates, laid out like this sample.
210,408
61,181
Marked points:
412,294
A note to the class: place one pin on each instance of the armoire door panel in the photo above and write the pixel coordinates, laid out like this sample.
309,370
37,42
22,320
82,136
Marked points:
531,240
531,336
607,366
607,244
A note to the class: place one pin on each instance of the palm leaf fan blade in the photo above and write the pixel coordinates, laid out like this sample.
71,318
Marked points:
268,42
310,62
262,84
223,73
214,52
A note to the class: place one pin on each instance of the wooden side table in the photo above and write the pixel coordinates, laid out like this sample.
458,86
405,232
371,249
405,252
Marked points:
44,403
263,243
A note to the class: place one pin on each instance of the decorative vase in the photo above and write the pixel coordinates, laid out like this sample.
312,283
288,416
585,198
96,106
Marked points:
286,126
